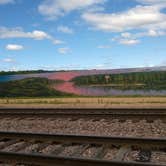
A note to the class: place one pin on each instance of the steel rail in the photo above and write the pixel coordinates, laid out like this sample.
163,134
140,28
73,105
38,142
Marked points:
88,110
50,160
153,142
122,112
86,113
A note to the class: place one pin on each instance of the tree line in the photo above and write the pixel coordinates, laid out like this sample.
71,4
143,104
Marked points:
23,72
136,80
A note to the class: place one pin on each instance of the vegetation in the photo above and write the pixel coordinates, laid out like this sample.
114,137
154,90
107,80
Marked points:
30,87
139,80
90,102
23,72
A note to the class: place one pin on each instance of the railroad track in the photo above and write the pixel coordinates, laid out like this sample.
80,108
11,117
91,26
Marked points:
72,150
75,114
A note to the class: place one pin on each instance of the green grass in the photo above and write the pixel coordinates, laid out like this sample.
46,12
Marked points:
30,87
80,101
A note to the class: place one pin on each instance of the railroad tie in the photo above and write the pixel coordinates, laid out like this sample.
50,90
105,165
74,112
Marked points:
122,153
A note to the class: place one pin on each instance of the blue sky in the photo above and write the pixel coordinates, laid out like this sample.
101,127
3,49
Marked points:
82,34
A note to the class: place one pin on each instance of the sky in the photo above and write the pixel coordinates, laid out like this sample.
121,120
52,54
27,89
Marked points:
82,34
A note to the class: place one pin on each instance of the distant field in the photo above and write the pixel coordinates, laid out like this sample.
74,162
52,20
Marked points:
96,102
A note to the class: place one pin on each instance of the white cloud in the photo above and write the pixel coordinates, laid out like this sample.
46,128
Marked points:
53,9
64,50
140,17
8,60
126,35
3,2
150,33
39,35
14,47
55,41
129,41
134,38
19,33
65,29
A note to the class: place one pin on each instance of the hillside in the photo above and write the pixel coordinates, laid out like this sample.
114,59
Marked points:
30,87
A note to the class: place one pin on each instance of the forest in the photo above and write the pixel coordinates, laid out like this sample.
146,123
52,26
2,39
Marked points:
138,80
24,72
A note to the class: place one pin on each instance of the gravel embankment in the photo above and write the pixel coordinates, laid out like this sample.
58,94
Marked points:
88,127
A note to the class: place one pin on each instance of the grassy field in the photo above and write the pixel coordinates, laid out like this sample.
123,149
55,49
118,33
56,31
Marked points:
95,102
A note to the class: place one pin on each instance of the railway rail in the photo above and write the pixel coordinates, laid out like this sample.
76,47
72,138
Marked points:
72,150
123,114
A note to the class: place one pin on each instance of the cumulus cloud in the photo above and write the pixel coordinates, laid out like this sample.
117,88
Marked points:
150,33
56,42
129,41
144,17
53,9
64,50
3,2
39,35
8,60
134,38
65,29
19,33
127,36
14,47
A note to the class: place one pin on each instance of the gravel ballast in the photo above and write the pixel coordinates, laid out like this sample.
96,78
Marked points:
102,127
89,127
